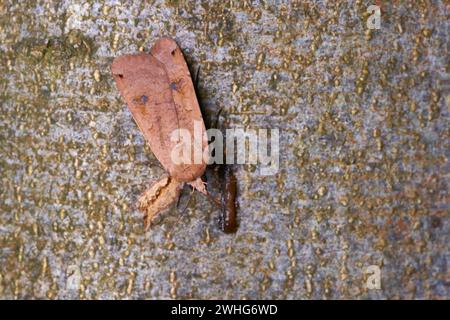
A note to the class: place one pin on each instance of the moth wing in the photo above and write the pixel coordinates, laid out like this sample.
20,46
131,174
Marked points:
143,83
166,51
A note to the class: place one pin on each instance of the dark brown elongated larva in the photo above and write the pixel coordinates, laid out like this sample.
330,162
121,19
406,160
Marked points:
228,220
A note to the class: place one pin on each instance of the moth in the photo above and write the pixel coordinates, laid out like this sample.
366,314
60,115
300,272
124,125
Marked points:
159,92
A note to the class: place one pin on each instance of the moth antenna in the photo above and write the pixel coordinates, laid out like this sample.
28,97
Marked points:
179,198
196,79
217,118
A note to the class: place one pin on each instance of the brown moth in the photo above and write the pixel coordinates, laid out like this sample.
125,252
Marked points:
159,92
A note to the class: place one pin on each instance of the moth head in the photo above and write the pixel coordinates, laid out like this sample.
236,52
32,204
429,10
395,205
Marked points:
118,68
125,67
136,74
165,50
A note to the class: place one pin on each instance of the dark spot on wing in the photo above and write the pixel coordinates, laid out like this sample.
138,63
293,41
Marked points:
142,100
174,86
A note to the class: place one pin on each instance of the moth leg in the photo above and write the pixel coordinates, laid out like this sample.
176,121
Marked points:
187,205
179,198
199,185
